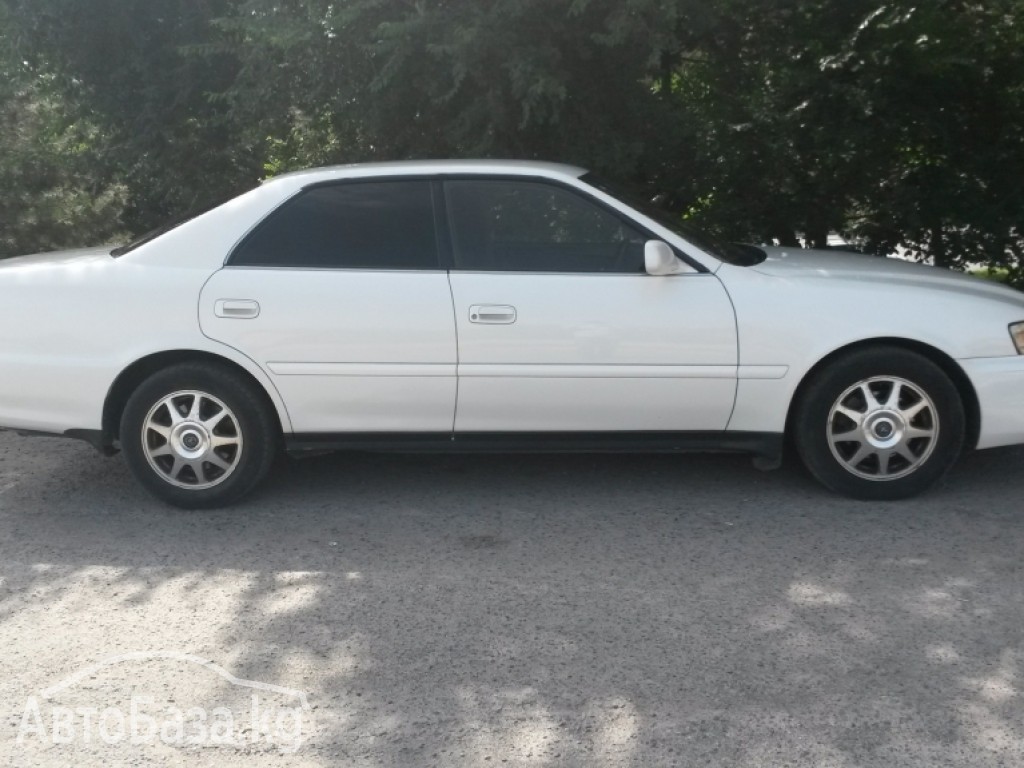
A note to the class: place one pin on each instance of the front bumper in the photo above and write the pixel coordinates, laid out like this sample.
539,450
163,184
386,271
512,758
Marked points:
999,383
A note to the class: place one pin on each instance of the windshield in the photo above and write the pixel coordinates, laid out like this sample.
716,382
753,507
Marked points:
731,253
153,234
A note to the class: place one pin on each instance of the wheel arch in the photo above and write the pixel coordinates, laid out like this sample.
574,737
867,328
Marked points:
968,395
132,376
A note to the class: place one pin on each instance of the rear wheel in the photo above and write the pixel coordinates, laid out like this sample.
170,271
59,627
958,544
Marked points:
880,423
198,435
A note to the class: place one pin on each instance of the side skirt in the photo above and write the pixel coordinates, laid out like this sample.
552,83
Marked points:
767,445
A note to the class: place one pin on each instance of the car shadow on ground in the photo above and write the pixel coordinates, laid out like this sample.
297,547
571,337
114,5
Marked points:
569,610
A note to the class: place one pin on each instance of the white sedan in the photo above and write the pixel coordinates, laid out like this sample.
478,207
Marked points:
497,306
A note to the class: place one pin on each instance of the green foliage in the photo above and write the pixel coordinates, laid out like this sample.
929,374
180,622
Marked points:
997,274
120,62
54,194
898,124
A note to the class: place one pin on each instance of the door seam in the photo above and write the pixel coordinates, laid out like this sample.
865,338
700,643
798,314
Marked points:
458,353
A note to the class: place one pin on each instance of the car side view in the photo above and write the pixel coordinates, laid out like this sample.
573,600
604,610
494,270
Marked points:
497,306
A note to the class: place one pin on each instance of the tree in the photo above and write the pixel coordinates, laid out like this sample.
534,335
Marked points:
899,124
120,62
53,195
895,123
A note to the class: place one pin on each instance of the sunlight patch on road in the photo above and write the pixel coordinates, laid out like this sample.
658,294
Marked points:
293,591
8,481
806,593
909,562
990,732
942,653
998,687
617,727
937,603
509,727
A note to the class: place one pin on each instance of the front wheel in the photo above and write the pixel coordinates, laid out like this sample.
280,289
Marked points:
879,424
198,435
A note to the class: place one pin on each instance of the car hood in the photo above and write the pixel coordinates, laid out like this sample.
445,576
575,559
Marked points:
56,259
855,267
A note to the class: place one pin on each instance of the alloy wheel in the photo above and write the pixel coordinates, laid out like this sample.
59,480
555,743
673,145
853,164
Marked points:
883,428
192,440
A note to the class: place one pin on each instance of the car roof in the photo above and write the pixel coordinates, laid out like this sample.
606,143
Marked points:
433,167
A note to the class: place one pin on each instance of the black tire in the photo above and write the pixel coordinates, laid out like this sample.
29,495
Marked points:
248,425
889,470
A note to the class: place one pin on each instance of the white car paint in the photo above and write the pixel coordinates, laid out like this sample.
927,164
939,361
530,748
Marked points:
666,361
349,350
374,351
801,306
72,322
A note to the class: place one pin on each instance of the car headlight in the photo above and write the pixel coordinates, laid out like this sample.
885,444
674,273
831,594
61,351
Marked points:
1017,332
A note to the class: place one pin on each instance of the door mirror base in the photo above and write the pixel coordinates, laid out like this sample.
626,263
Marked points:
660,259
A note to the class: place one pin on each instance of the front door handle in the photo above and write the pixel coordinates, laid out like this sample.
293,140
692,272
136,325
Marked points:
237,309
492,314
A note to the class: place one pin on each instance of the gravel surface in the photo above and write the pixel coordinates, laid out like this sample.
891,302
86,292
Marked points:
514,610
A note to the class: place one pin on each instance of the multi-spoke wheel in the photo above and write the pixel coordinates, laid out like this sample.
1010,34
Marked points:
198,435
192,439
883,428
879,423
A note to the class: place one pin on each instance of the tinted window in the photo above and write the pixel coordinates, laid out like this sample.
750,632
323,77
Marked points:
364,225
524,226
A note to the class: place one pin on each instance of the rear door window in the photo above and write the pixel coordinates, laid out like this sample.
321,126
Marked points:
355,225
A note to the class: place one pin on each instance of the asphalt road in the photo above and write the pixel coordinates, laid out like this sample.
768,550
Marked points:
509,610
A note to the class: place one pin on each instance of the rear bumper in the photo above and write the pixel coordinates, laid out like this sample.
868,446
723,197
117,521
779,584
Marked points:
999,383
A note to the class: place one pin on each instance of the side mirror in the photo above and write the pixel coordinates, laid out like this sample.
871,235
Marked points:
660,259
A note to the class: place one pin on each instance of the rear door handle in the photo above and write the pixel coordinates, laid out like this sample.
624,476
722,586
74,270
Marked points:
237,309
492,314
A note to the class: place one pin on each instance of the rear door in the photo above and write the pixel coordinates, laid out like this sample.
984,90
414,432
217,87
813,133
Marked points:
340,296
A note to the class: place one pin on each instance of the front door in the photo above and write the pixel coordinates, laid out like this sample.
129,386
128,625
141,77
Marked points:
560,329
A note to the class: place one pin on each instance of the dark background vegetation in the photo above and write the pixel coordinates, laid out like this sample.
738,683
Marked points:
897,124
